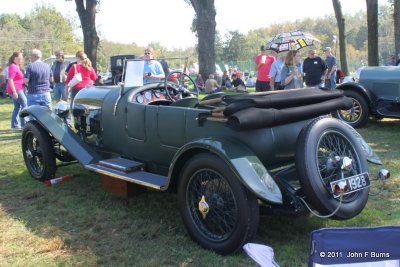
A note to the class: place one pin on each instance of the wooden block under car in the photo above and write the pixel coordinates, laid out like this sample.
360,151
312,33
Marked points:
120,187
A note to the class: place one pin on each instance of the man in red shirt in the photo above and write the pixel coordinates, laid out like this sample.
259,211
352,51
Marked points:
263,66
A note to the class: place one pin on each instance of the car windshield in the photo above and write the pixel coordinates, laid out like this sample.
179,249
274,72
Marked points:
135,70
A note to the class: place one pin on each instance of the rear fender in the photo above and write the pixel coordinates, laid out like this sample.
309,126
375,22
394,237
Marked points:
351,86
244,163
63,134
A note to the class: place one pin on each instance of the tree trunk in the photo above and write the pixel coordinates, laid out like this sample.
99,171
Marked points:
372,22
342,36
87,17
396,19
205,27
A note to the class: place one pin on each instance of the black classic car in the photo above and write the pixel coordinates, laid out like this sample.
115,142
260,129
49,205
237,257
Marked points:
225,155
376,93
117,66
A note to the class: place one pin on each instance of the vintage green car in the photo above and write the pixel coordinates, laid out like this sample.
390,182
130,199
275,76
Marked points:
225,156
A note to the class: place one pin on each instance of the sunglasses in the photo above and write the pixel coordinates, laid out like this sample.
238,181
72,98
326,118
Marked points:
147,53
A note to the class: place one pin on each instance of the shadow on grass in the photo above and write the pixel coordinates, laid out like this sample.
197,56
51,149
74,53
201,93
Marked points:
10,135
146,229
100,229
97,228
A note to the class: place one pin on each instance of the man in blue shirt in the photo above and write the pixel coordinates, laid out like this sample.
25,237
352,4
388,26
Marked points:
37,76
153,70
330,79
275,73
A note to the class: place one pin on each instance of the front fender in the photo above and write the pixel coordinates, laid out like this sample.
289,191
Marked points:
369,153
356,87
243,162
62,133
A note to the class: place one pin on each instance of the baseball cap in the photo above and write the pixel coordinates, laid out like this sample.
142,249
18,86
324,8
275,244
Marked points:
327,49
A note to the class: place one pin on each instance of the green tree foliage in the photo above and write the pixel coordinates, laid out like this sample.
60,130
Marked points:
10,28
49,30
324,29
44,28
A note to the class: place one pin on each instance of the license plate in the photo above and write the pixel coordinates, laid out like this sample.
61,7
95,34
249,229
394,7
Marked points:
354,183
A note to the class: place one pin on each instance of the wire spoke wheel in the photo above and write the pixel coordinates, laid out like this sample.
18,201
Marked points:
219,222
331,145
38,151
218,212
34,153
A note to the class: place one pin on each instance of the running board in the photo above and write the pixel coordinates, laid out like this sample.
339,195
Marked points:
140,177
388,109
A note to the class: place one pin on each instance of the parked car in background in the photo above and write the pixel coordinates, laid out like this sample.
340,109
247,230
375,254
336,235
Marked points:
117,66
375,93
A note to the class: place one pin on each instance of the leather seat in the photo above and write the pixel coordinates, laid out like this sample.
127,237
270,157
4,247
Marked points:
190,102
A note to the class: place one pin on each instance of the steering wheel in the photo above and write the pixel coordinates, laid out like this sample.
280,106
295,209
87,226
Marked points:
179,87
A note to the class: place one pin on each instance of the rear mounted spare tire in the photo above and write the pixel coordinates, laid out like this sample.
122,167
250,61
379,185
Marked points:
319,145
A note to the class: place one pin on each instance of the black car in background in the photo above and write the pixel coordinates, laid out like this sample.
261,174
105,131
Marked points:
117,66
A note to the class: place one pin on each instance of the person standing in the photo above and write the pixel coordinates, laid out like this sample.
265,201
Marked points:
330,79
84,67
314,69
153,70
263,67
58,76
275,74
15,88
37,76
291,75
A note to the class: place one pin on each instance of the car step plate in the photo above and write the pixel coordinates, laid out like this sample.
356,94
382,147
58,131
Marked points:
121,164
354,183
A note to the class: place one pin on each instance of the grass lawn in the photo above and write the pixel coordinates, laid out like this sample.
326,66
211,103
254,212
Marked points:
75,223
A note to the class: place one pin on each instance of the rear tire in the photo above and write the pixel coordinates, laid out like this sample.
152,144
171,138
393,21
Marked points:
38,152
233,215
317,146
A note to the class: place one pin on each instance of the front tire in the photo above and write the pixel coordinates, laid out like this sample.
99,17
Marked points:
218,212
38,152
319,145
358,115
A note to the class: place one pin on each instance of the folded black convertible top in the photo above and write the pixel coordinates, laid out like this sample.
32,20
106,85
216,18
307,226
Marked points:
254,118
279,99
246,112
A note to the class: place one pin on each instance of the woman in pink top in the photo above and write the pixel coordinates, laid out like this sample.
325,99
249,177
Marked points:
15,88
84,67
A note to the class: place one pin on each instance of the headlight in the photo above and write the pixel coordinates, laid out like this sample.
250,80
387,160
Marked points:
62,109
